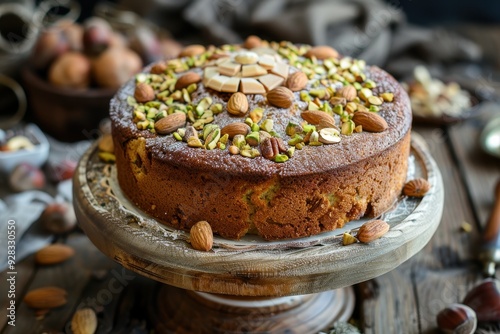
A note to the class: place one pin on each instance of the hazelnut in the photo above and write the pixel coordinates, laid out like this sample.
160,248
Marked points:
51,44
118,40
484,300
97,35
58,218
26,177
457,319
61,170
73,33
70,70
115,66
252,41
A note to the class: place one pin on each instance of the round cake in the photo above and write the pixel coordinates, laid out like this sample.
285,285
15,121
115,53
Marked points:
275,139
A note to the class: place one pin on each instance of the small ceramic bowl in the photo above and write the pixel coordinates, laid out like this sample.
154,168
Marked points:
36,156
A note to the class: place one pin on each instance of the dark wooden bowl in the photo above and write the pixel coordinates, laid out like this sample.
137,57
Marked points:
66,114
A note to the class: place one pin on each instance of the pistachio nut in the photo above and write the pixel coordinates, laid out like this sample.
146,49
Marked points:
194,142
329,136
233,149
212,139
253,138
267,125
239,141
256,115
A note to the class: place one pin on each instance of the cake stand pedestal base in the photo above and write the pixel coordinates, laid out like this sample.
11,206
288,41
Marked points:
289,285
181,311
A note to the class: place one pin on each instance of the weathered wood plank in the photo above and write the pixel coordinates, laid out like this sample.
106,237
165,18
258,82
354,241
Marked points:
450,247
388,304
479,169
25,272
437,289
72,275
106,292
469,177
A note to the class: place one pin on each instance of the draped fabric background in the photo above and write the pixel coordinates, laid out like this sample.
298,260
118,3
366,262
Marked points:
370,29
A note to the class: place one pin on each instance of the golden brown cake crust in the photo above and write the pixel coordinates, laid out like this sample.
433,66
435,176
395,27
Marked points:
319,189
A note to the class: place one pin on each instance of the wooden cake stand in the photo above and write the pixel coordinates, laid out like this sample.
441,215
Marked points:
251,285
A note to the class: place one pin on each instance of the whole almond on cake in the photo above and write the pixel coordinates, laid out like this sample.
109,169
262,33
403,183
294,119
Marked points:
281,97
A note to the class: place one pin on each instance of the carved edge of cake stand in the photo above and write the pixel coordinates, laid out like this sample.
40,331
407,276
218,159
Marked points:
269,271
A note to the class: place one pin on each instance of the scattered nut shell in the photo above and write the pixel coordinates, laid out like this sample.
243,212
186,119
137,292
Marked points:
372,230
46,298
84,321
201,236
26,177
416,187
58,218
466,227
54,254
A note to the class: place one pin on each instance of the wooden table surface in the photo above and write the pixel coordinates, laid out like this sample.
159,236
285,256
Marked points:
405,300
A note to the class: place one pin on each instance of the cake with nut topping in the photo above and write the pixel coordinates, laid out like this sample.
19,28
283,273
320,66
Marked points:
275,139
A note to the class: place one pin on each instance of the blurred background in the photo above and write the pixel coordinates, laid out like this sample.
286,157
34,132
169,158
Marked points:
39,39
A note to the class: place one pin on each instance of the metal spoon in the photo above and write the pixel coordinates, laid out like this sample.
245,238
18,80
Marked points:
490,137
484,299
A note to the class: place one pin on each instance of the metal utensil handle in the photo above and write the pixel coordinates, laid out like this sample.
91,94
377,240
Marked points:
21,101
490,246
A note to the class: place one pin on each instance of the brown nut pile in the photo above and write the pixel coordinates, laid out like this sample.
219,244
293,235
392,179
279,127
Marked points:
78,56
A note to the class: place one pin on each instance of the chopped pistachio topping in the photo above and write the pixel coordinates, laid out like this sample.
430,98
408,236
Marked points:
177,89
